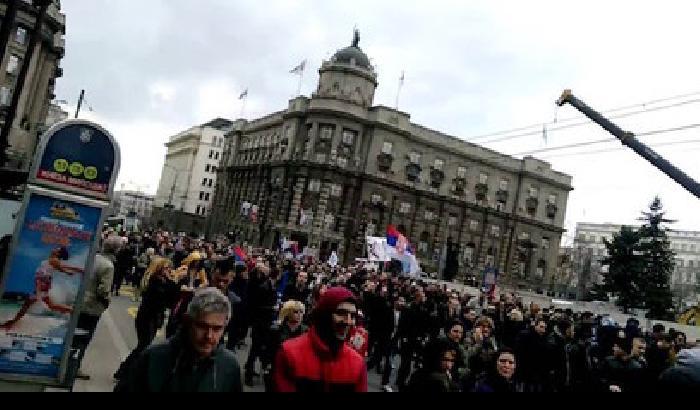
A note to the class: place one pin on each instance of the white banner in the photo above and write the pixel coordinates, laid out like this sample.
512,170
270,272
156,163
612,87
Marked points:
377,249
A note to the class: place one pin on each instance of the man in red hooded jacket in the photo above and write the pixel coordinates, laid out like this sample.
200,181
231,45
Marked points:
321,360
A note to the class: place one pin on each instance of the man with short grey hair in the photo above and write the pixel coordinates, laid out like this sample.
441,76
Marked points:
193,360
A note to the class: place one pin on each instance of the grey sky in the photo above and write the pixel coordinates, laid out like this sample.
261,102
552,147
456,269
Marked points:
153,68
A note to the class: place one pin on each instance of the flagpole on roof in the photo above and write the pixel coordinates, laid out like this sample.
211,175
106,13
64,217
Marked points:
398,92
244,98
299,70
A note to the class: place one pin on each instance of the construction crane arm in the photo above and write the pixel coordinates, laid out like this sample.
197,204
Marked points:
627,138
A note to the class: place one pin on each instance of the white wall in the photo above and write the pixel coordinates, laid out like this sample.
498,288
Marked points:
211,141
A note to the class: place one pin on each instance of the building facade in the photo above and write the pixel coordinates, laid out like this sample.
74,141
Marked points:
37,91
333,168
589,252
132,203
188,178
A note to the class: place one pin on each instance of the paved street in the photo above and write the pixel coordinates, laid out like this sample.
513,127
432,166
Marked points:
116,336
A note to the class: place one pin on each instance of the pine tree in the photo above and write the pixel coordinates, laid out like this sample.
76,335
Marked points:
624,278
658,262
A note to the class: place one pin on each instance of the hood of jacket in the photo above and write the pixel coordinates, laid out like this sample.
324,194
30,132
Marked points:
322,315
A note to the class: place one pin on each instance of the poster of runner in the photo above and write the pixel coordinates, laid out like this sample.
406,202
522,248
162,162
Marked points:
42,284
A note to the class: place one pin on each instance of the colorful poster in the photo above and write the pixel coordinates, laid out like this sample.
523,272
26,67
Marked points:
80,158
42,284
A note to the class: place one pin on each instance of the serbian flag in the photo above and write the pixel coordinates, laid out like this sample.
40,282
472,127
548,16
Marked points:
239,254
392,235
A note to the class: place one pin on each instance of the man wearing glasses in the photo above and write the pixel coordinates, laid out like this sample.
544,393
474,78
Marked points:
320,360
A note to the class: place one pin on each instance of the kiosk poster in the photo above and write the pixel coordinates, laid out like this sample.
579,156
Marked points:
78,158
42,283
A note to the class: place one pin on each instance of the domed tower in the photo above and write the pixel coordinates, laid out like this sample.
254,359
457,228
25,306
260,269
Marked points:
348,76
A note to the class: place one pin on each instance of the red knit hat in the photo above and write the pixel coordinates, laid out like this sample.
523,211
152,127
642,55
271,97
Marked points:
333,297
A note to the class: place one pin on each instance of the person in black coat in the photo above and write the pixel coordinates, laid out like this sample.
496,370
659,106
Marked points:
298,289
288,326
531,349
239,327
436,374
262,299
162,291
413,330
500,377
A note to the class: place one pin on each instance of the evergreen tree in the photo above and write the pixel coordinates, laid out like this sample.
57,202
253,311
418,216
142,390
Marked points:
658,262
624,278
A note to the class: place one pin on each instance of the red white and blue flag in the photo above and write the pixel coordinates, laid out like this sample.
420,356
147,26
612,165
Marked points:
239,254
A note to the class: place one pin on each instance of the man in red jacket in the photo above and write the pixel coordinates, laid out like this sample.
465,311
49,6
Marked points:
320,360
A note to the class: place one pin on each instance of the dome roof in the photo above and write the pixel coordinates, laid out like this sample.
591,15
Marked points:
348,54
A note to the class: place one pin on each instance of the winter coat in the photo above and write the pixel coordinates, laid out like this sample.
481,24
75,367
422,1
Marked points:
158,296
424,381
684,376
627,374
278,334
97,290
173,367
532,354
491,382
307,364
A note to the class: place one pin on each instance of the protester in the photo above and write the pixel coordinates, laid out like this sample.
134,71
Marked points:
194,359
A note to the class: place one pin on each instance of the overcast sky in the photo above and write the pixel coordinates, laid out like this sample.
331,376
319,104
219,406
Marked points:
156,67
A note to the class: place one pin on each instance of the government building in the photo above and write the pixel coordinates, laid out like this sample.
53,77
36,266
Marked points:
334,168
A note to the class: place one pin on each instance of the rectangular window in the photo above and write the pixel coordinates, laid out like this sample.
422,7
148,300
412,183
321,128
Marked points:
12,64
483,178
204,182
336,190
387,147
451,220
438,164
216,155
314,185
375,199
207,168
495,230
404,208
211,154
349,137
204,210
21,35
461,172
201,195
533,192
414,157
552,199
210,182
326,132
545,243
5,96
503,185
213,169
199,208
206,196
474,225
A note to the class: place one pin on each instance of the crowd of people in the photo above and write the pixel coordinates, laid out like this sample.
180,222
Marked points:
313,327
